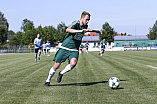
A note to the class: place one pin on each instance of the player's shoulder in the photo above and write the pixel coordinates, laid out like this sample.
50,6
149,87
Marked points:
35,38
74,23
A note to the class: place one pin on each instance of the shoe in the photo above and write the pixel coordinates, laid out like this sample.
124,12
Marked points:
59,79
38,58
99,54
35,60
47,83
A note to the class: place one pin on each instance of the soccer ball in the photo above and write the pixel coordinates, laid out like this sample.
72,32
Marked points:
114,82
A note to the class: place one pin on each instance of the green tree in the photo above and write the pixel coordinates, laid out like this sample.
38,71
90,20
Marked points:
107,32
61,32
11,33
16,39
39,30
48,33
24,24
29,33
3,28
153,32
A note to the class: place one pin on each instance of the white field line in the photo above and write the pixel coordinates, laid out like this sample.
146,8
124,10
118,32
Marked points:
152,66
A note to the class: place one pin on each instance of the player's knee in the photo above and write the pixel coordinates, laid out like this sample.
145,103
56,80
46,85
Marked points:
73,64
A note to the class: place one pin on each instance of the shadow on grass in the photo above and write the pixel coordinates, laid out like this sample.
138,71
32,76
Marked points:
87,84
80,84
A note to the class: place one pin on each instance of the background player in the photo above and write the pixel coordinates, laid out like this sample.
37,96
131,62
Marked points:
102,45
81,48
48,48
70,47
44,48
86,45
38,44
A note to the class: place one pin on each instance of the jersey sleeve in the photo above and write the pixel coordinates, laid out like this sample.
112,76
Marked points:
35,40
73,25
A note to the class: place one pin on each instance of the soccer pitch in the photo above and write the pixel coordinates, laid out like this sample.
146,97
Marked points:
22,79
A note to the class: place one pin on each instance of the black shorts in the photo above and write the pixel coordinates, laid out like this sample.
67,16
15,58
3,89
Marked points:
48,50
36,49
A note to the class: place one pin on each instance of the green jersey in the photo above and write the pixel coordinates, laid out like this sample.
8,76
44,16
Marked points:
86,45
103,43
73,40
81,46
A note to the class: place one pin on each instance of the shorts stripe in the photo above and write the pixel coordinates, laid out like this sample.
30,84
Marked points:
68,49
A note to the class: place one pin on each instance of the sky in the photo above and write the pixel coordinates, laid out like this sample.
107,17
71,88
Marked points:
134,17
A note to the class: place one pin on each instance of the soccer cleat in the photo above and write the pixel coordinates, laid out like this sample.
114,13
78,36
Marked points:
35,60
38,58
47,83
99,54
59,79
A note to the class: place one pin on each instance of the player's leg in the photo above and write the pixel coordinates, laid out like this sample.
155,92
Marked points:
39,53
69,67
72,63
48,52
102,52
87,50
44,51
36,53
51,73
59,58
80,51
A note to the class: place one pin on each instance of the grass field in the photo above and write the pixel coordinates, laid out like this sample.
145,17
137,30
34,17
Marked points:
22,79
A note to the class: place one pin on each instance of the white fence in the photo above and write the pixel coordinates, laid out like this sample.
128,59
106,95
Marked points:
17,49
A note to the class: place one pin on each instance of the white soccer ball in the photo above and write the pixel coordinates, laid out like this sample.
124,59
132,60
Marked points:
114,82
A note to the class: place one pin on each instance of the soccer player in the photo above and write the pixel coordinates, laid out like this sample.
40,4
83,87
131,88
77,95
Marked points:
102,45
70,47
44,48
38,44
48,48
81,48
86,45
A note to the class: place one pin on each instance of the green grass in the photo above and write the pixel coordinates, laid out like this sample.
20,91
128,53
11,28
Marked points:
22,79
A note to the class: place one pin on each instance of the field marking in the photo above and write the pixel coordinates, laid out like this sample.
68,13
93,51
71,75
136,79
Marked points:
152,66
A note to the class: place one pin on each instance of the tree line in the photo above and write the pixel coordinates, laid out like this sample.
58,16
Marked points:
28,32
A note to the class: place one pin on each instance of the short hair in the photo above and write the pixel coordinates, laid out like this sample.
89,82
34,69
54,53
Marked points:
84,13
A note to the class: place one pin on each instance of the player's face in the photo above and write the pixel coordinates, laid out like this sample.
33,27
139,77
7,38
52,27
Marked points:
38,35
85,20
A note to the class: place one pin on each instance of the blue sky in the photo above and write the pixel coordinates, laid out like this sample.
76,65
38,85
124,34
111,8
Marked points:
134,17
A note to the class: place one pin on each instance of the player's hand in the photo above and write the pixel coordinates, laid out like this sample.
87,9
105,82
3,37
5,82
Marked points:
84,30
100,32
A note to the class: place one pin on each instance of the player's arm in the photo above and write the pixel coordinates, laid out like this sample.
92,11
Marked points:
35,42
97,31
75,31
